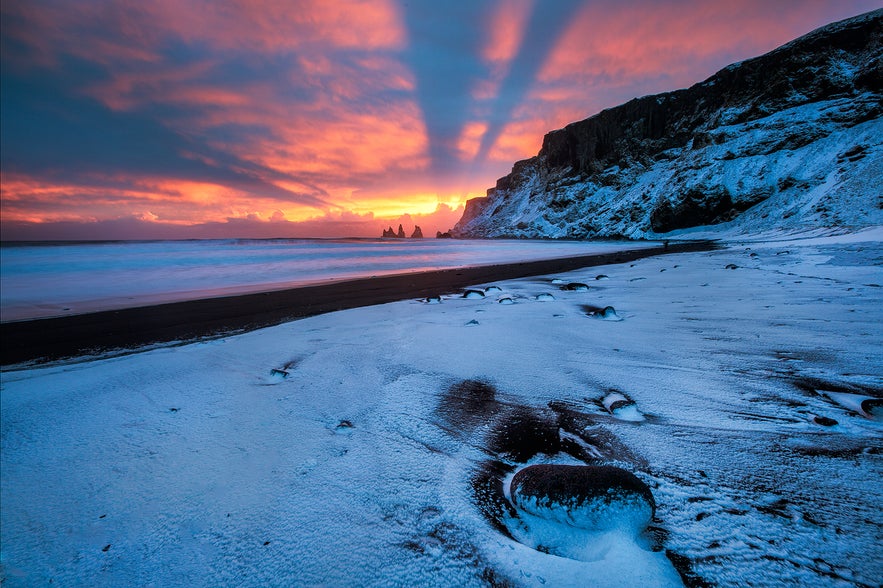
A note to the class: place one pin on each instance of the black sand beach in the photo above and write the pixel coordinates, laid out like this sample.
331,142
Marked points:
99,332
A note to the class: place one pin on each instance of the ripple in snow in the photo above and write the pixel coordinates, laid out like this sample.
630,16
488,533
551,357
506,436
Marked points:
545,297
593,497
622,407
473,294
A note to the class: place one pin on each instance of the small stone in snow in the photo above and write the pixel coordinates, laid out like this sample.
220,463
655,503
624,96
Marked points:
824,421
601,277
873,407
545,297
493,289
473,294
472,323
609,314
506,300
278,373
732,266
105,548
433,300
575,287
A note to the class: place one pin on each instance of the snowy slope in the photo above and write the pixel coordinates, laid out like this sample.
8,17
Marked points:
789,140
379,451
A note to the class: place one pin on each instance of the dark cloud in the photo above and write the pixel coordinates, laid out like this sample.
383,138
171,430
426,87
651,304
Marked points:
444,52
544,29
51,130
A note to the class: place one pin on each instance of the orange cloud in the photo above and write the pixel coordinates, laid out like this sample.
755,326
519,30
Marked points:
673,41
506,30
470,139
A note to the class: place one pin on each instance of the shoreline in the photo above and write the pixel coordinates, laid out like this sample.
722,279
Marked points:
48,339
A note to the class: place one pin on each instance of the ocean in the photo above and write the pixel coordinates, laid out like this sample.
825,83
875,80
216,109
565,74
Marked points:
39,280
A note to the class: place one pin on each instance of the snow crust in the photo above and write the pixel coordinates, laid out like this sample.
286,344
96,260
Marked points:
320,453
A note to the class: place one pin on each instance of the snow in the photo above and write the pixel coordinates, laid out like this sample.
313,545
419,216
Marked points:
374,446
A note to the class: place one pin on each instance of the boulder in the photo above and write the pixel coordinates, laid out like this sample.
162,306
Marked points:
597,498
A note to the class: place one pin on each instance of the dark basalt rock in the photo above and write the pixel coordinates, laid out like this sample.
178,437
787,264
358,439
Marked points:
873,407
575,287
588,496
418,232
824,421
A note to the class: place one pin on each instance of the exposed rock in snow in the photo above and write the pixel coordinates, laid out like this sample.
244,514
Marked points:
598,498
575,287
473,294
791,139
622,407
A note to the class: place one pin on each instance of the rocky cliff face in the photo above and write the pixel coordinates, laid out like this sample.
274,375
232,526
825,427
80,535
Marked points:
792,139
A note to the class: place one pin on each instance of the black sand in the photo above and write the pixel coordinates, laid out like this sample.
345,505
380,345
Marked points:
70,336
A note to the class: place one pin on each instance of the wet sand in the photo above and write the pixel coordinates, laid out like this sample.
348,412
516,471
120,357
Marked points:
99,332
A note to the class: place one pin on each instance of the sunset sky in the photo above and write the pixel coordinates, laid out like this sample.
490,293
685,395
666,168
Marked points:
314,118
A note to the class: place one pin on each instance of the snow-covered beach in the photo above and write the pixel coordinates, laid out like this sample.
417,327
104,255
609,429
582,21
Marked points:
375,446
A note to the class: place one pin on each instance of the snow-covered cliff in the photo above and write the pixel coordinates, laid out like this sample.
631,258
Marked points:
789,140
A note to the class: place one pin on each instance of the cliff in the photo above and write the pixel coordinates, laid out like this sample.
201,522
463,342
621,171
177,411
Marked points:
791,139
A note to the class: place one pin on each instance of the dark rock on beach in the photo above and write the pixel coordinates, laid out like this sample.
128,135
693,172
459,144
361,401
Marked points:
586,496
575,287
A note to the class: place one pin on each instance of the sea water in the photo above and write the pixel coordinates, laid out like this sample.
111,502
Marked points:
52,279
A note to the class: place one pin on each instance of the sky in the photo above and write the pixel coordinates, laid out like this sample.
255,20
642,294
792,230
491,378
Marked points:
126,119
